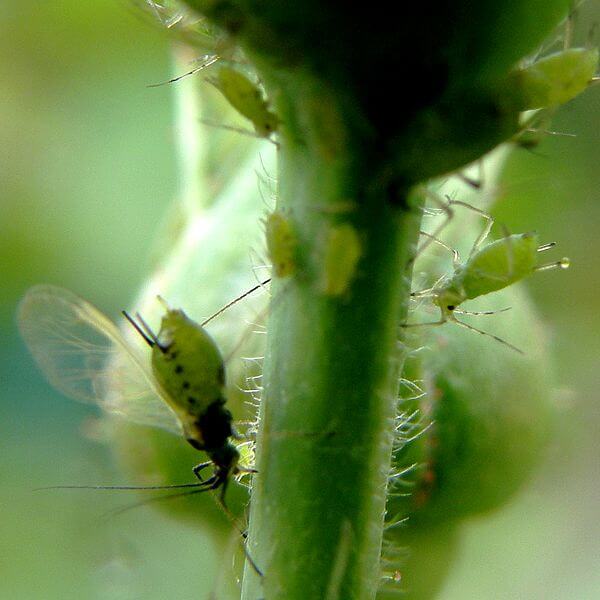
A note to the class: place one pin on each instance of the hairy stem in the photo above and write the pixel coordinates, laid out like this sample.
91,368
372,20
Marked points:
332,363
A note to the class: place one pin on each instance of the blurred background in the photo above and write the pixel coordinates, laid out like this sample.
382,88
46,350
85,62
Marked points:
87,171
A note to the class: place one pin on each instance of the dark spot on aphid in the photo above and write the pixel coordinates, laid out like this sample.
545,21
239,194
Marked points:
192,400
186,385
178,369
172,355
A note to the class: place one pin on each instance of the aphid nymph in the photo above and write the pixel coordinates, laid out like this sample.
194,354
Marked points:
247,98
489,269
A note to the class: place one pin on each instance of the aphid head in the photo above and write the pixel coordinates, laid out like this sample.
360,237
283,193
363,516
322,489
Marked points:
173,324
448,299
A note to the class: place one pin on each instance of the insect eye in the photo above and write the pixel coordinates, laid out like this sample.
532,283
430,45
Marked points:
451,307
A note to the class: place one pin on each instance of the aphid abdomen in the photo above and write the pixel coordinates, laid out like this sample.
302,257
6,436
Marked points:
498,265
281,244
341,254
554,79
247,99
189,367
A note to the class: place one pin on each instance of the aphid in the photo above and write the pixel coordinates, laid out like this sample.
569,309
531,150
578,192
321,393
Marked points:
83,354
281,244
247,98
554,79
491,268
342,250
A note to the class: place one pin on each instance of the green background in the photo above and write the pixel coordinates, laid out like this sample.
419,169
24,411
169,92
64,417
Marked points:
87,172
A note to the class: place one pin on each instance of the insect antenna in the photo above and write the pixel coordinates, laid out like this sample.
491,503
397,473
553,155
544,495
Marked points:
209,60
235,301
144,330
118,487
495,337
123,509
199,487
261,315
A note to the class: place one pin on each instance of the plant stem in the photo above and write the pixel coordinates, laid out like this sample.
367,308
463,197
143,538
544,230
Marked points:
331,368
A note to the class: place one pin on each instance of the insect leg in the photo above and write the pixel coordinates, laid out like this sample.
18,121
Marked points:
444,206
429,323
246,470
447,206
487,228
198,468
431,291
481,312
495,337
453,251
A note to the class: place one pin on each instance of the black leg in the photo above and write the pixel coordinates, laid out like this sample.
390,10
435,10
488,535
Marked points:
196,470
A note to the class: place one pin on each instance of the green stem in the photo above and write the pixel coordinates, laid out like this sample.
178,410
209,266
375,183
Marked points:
331,368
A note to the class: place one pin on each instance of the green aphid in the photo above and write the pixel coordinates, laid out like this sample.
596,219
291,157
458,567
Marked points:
182,389
489,269
247,98
342,250
189,368
552,80
281,244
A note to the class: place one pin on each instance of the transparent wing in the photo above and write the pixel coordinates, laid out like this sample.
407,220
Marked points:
83,355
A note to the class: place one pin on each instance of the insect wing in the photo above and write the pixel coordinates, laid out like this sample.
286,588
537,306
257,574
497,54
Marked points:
83,355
